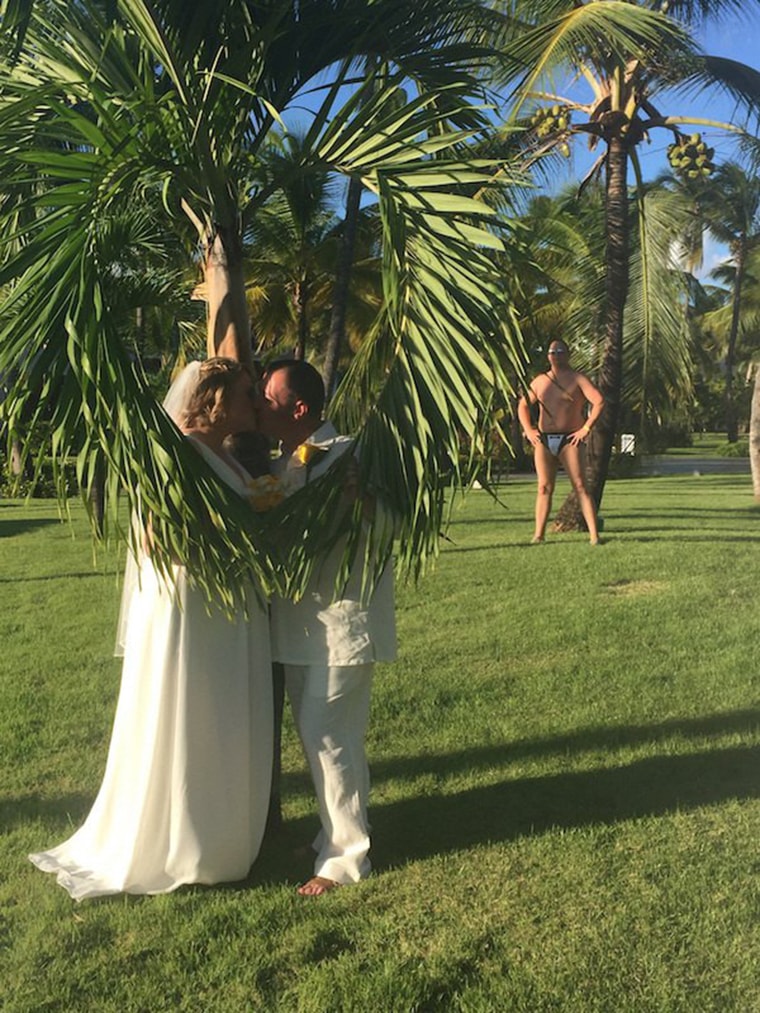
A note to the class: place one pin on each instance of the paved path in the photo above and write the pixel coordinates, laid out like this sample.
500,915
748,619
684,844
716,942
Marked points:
663,464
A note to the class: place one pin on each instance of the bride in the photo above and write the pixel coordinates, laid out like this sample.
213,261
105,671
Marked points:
186,788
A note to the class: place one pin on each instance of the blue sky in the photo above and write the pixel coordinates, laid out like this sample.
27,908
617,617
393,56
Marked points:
738,38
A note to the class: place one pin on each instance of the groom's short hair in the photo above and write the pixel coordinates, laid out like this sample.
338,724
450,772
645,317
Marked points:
304,383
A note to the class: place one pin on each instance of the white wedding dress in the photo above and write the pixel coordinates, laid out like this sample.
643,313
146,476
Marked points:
185,793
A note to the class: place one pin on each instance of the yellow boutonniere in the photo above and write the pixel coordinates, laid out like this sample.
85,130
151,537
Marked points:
307,452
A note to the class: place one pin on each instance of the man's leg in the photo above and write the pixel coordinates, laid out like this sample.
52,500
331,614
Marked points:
571,461
546,475
331,710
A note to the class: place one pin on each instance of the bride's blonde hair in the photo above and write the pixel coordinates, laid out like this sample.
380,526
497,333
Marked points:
208,401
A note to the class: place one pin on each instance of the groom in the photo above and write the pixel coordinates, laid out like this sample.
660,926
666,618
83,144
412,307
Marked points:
328,647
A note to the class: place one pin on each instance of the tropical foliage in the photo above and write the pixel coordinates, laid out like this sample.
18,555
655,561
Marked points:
565,237
731,210
168,109
291,251
625,55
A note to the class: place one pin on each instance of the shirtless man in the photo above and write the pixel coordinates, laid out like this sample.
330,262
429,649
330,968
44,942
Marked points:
562,395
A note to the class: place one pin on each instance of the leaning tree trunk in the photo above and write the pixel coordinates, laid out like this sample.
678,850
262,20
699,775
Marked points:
229,329
16,458
302,301
754,434
342,281
520,460
600,443
97,496
732,422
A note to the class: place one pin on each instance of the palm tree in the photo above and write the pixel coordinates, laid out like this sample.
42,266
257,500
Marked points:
342,284
177,101
565,237
627,55
717,323
292,254
754,433
731,208
290,250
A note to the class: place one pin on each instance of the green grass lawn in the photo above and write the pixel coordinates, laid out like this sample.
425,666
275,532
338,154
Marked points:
566,783
703,445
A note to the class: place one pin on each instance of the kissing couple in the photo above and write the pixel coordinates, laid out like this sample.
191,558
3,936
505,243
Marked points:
185,794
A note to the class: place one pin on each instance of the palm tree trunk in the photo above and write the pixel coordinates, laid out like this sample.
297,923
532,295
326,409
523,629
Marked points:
342,280
97,497
302,299
229,329
16,458
601,442
520,461
754,435
732,422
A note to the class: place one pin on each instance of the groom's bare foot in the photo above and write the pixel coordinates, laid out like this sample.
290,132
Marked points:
316,886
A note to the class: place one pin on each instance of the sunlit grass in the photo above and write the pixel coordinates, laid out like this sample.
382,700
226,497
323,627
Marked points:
703,445
566,772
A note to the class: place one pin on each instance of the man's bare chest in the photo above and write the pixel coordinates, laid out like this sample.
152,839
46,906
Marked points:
560,391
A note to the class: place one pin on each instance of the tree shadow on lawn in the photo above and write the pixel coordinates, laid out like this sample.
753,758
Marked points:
74,575
509,517
50,812
427,825
690,517
11,527
434,824
651,786
743,722
687,538
424,826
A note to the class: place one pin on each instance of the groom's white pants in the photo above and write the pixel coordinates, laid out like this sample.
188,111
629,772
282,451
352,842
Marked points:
331,709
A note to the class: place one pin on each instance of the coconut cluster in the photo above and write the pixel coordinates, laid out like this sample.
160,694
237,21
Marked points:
548,120
691,158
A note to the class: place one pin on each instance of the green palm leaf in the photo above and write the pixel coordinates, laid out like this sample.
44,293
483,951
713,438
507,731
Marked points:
166,113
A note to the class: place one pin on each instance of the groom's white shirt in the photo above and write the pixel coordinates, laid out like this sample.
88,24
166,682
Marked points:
319,630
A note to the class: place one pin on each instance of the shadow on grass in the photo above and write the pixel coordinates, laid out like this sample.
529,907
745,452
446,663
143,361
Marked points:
9,528
426,825
78,575
713,525
584,740
611,534
47,811
508,517
489,546
434,824
649,535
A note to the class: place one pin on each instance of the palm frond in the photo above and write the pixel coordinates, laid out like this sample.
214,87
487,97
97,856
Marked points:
655,338
166,109
601,32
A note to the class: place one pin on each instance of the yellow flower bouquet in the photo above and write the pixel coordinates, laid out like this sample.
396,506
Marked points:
265,492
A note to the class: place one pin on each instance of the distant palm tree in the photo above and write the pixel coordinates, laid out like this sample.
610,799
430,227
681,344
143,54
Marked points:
291,249
565,240
291,253
731,209
626,55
